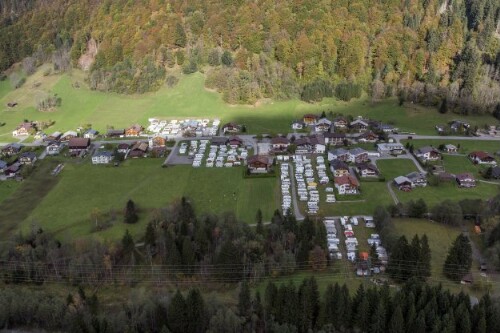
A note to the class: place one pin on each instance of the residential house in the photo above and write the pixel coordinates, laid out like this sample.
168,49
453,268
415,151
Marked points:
310,144
495,172
428,154
450,149
24,129
11,149
386,128
279,143
54,148
78,145
340,123
219,141
458,125
157,141
123,148
231,128
368,137
358,155
12,170
359,125
102,157
338,154
134,130
27,158
417,179
3,165
258,164
335,139
68,136
323,125
139,149
465,180
235,141
403,183
390,148
90,134
339,168
481,157
310,119
56,136
115,133
347,184
367,170
40,135
298,125
318,143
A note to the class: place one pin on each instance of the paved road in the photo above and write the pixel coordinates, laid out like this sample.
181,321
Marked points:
399,137
391,192
296,210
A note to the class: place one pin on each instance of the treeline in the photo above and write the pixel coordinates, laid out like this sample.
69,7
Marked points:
429,51
178,245
415,307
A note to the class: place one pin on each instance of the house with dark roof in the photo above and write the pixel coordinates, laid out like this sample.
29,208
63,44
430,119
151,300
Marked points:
27,158
417,179
11,149
91,134
258,164
359,125
403,183
68,136
12,170
340,154
495,172
3,165
102,157
78,145
367,137
340,123
428,154
310,144
466,180
54,148
231,128
339,168
134,130
235,141
56,136
358,155
115,133
219,141
365,170
123,148
323,125
138,150
279,143
481,157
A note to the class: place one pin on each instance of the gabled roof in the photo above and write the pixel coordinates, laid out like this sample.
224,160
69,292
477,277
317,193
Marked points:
79,142
346,180
279,140
357,151
310,115
415,176
339,165
3,164
142,146
72,133
116,131
464,176
334,135
234,125
136,127
317,139
103,153
427,149
339,152
123,146
219,140
360,122
29,154
450,147
323,121
236,138
481,155
367,134
258,158
92,131
14,146
367,166
401,180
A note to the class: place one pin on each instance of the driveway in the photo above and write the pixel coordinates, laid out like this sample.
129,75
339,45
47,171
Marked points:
296,210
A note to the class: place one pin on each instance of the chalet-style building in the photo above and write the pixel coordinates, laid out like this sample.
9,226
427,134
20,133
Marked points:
134,130
481,157
428,154
102,157
367,137
403,183
24,129
78,145
11,149
27,158
235,141
390,148
323,125
56,136
339,168
138,150
258,164
450,149
12,170
123,148
359,125
231,128
68,136
365,170
310,119
347,184
466,180
313,144
340,123
334,139
54,148
417,179
280,143
340,154
157,141
115,133
90,134
358,155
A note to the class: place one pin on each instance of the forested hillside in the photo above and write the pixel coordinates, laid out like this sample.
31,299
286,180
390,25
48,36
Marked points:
426,51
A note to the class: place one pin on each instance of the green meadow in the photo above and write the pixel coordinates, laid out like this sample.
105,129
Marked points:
82,188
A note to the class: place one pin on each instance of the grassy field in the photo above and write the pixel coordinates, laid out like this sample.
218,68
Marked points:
66,209
7,188
393,168
81,106
459,164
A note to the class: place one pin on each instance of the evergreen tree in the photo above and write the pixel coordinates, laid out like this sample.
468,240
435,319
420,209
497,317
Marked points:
180,35
150,237
177,314
188,255
425,257
459,259
378,319
127,243
227,58
131,213
396,324
260,226
270,299
196,313
363,314
244,301
229,261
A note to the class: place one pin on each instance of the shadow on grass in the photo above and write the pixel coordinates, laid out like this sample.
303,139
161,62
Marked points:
15,209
